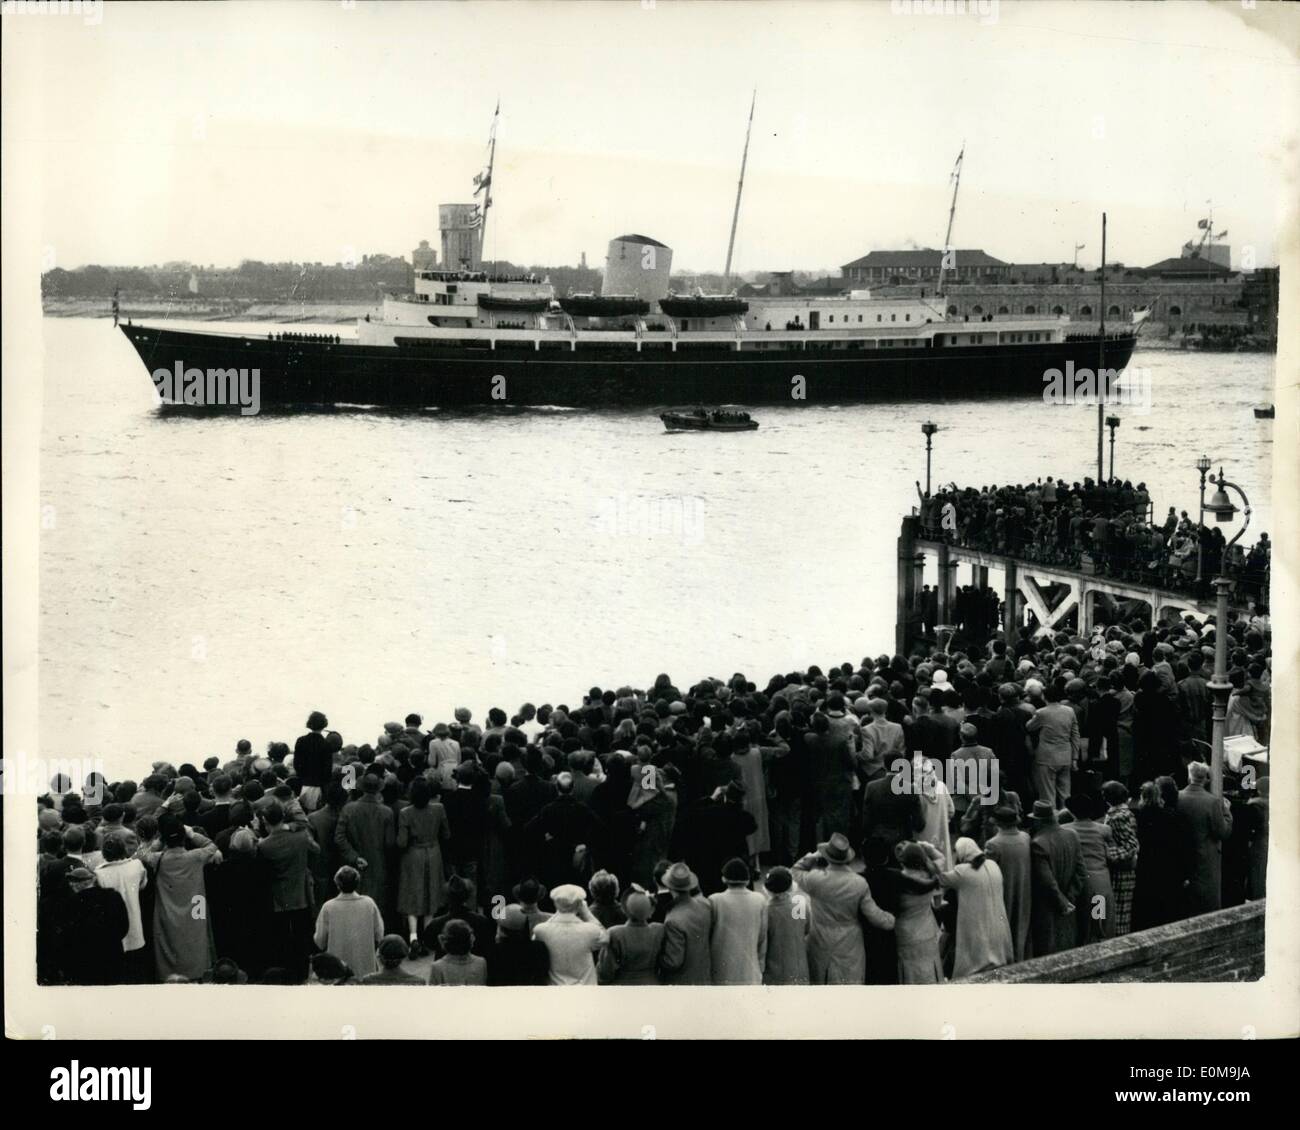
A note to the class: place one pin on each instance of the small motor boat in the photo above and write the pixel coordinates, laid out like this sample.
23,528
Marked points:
709,420
1265,413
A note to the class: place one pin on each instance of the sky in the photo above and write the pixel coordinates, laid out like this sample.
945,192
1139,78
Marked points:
319,132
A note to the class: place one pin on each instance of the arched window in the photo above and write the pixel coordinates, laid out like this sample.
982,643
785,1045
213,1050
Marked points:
1030,310
1085,311
1113,310
1003,310
1175,310
1058,310
977,309
952,309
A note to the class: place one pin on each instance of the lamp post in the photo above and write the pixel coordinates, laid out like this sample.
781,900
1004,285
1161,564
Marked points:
929,429
1112,422
1221,506
1202,465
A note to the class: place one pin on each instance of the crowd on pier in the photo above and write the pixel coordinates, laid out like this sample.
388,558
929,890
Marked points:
906,819
1108,528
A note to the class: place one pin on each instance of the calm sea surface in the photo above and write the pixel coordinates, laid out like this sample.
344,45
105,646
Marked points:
211,579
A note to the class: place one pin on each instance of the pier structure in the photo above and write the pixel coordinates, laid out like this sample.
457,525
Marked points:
1050,592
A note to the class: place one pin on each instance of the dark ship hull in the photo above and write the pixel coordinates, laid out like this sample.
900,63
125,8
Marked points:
295,373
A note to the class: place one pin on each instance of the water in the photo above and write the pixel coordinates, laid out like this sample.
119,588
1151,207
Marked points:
211,579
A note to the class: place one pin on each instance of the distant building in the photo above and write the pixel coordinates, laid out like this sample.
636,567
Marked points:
1187,267
424,257
898,267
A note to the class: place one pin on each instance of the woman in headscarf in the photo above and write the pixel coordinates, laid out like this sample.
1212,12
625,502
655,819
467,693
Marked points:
1122,854
916,930
983,930
937,809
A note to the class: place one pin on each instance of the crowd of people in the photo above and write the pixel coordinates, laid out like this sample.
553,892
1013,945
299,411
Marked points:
901,820
1108,527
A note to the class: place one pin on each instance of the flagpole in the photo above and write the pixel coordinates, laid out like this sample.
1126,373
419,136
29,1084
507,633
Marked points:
952,212
735,215
487,183
1101,358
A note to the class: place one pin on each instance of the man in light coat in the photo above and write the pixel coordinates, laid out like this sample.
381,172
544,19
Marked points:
1207,822
1056,729
840,900
572,937
882,741
1009,848
738,944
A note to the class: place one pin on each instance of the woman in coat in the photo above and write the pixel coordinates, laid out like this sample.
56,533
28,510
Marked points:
983,929
1096,842
1161,859
182,936
421,832
787,932
1122,854
496,839
748,759
916,930
1156,729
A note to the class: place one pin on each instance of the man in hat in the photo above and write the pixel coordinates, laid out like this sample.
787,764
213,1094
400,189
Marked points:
365,835
687,958
392,951
1009,848
1059,879
1206,821
517,958
841,901
572,937
93,924
788,922
738,942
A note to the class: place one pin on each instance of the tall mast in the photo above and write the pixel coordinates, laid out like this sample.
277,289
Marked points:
1103,385
735,215
952,212
483,183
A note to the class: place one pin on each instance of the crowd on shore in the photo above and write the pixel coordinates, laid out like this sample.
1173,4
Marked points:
1112,524
901,820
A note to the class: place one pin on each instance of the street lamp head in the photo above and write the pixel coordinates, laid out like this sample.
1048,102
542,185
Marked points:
929,428
1221,506
1112,422
1203,464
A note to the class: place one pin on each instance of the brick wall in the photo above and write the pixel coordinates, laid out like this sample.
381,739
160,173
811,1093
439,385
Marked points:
1227,945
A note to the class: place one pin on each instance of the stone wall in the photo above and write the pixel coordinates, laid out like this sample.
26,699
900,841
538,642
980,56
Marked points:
1226,945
